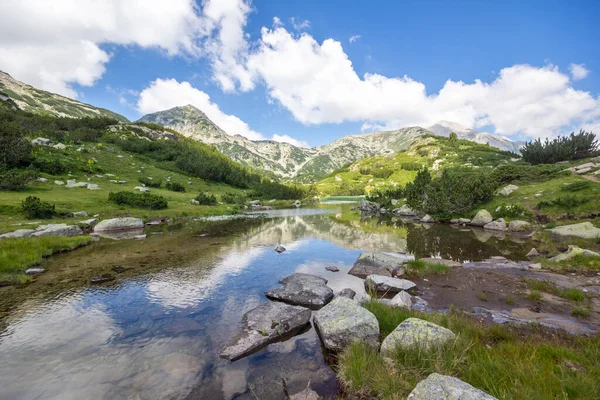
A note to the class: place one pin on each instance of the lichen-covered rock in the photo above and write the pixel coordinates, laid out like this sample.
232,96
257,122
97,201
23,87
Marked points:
119,224
402,299
19,233
483,217
57,230
574,251
498,225
304,290
379,263
415,332
387,284
306,394
266,324
88,223
584,230
519,226
506,190
343,321
443,387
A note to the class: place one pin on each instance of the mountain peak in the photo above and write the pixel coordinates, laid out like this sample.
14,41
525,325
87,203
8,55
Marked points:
454,126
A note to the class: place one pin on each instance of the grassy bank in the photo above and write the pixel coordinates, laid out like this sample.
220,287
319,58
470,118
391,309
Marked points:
506,362
16,255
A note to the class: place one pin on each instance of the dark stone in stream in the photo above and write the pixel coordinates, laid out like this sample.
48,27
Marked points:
332,268
280,249
102,279
379,263
266,324
303,290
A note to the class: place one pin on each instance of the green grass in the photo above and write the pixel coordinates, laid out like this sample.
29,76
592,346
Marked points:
18,254
581,312
573,294
507,362
421,268
579,263
534,295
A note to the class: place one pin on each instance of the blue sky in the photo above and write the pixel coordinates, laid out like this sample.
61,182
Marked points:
537,63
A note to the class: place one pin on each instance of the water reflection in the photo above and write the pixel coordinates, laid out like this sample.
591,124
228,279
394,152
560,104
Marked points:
158,334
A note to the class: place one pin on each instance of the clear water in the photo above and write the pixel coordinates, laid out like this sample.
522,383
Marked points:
158,335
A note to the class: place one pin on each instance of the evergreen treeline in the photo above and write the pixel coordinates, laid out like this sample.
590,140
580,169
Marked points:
563,148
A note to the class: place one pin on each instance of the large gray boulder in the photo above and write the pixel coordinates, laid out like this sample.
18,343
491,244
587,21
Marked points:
343,321
519,226
481,218
266,324
583,230
387,284
379,263
415,332
119,224
57,230
443,387
498,225
304,290
19,233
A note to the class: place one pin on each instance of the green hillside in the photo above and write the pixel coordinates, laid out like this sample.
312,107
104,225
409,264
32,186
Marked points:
434,152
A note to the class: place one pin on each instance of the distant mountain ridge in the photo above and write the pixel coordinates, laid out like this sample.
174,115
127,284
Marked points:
28,98
444,128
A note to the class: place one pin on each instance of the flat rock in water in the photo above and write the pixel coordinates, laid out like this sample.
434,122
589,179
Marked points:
34,271
583,230
481,218
306,394
343,321
498,225
415,332
119,224
57,230
382,283
303,290
349,293
443,387
332,268
280,249
379,263
448,263
266,324
19,233
102,279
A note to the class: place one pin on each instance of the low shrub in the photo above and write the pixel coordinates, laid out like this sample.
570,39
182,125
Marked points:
382,173
33,207
233,198
567,202
16,179
576,186
153,183
175,187
141,200
206,199
519,172
411,166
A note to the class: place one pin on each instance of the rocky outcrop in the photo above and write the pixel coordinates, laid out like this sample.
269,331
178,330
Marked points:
574,251
343,321
266,324
404,211
519,226
415,332
386,264
19,233
506,190
583,230
304,290
443,387
481,218
498,225
57,230
387,284
370,208
119,224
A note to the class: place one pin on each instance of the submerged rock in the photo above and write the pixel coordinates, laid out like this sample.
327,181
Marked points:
266,324
402,299
332,268
304,290
443,387
379,263
119,224
382,283
349,293
415,332
519,226
481,218
343,321
573,252
584,230
498,225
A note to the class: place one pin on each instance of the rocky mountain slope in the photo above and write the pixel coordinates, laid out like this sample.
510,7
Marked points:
444,128
28,98
284,159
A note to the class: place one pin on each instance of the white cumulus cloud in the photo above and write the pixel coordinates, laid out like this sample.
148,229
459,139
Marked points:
300,25
163,94
578,71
